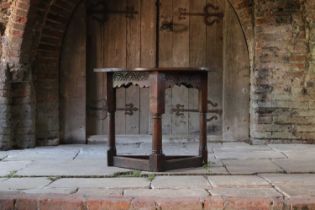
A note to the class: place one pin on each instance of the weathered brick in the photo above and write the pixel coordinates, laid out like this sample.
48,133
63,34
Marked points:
253,203
143,204
56,202
117,203
180,204
26,203
7,201
303,203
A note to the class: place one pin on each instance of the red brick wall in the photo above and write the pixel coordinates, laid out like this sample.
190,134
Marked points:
32,42
283,75
17,125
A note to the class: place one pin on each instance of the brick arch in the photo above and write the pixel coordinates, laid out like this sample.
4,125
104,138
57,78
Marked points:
29,71
46,71
56,19
244,11
40,23
14,31
16,100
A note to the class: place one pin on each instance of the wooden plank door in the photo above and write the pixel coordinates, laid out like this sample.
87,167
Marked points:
121,41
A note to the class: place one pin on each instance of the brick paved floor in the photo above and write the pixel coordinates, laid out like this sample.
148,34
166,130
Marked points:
240,176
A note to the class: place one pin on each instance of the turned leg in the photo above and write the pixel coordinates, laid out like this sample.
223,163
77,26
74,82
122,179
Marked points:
111,105
203,108
157,97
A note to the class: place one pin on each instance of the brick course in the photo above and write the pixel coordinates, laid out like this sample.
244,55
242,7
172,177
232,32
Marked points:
65,202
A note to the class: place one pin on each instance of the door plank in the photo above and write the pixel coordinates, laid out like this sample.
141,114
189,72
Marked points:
116,55
100,79
133,61
93,32
215,62
197,58
165,58
180,59
166,36
147,58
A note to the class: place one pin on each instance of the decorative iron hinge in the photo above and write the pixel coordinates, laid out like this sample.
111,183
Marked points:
210,14
99,10
180,111
129,109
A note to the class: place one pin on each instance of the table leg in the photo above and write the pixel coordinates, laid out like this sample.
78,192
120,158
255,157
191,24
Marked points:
157,107
203,108
111,105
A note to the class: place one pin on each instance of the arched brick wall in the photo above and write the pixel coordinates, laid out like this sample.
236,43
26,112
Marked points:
46,71
33,35
244,10
16,91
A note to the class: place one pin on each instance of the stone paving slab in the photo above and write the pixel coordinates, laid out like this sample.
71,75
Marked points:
213,161
202,171
297,190
8,168
296,166
47,190
237,181
99,192
86,169
23,183
305,155
237,155
132,150
243,167
190,171
180,182
181,149
106,183
73,168
291,147
239,146
44,153
171,149
120,139
166,193
3,155
290,179
98,152
244,192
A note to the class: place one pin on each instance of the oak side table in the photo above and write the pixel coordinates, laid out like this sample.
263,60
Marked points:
158,80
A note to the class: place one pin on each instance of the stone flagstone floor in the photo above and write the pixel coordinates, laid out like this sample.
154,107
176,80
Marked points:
280,175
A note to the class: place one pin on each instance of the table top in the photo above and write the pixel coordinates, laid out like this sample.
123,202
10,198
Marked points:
162,69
